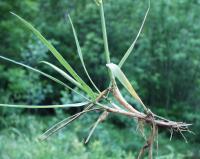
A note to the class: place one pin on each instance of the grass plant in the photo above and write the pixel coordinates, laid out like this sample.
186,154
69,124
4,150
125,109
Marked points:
98,100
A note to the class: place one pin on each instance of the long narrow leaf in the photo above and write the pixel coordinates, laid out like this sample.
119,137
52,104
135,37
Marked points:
45,106
130,49
63,74
80,53
117,72
58,56
44,74
105,38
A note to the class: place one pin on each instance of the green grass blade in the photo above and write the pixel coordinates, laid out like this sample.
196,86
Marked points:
105,38
45,106
80,54
58,56
44,74
68,77
130,49
117,72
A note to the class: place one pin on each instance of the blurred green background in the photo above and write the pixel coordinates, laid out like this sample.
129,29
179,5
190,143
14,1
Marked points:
164,68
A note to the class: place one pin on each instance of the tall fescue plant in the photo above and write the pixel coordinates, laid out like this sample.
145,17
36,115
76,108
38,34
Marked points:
95,99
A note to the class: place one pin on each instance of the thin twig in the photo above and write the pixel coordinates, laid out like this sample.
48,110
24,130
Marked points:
140,127
157,146
183,135
171,134
63,123
151,139
101,118
142,150
66,121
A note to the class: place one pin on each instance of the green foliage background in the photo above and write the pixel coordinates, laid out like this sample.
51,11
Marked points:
164,68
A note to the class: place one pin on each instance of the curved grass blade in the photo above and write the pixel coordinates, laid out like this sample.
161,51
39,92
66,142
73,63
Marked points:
44,74
69,78
130,49
45,106
58,56
80,54
117,72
